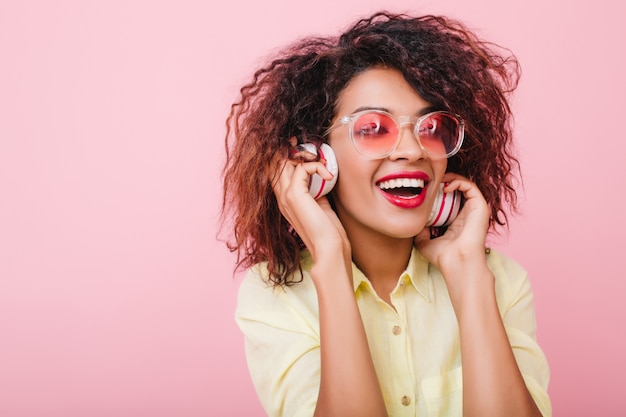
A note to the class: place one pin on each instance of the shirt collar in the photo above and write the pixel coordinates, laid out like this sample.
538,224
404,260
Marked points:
416,273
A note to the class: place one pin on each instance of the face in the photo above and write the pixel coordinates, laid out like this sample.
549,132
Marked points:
389,197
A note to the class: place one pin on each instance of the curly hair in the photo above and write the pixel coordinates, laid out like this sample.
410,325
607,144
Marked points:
296,95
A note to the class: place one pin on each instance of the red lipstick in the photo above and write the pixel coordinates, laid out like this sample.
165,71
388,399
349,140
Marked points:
405,189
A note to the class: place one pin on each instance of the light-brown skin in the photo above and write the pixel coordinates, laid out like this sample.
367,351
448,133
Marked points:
379,236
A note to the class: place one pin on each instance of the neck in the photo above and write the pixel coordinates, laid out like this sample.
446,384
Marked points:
382,259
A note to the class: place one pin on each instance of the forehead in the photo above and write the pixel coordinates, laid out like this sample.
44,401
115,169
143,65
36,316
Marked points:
383,88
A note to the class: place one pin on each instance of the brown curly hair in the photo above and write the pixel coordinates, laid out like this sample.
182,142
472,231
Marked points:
296,95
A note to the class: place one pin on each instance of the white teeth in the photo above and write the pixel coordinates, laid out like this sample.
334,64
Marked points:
402,182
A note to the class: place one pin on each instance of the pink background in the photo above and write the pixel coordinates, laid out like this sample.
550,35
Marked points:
116,299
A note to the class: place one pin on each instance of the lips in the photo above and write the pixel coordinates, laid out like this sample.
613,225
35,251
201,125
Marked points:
404,189
403,186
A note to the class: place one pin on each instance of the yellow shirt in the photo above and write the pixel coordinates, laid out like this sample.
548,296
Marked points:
415,347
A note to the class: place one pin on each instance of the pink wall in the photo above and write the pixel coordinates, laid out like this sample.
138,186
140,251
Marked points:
115,297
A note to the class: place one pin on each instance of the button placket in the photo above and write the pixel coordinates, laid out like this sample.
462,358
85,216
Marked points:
400,356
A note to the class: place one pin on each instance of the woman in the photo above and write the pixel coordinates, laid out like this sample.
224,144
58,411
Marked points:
353,305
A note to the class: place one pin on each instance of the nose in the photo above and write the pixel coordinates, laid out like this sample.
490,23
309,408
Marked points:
408,147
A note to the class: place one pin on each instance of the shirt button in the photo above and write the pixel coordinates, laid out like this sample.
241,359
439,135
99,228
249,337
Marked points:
406,400
396,330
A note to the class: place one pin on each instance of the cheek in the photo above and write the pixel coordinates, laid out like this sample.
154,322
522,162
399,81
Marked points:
349,175
439,167
347,159
355,176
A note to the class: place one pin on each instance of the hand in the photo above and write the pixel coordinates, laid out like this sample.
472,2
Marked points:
314,220
464,240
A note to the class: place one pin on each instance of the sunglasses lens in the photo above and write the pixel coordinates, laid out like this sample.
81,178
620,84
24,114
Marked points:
374,134
439,134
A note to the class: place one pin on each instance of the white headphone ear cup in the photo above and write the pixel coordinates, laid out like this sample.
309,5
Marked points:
317,185
435,209
331,161
445,208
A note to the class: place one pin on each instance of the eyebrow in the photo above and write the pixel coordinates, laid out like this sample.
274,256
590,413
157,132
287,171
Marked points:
421,112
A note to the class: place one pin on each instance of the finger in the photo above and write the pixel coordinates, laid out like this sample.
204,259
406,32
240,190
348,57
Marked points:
300,172
283,171
300,153
292,186
456,182
276,167
422,238
301,176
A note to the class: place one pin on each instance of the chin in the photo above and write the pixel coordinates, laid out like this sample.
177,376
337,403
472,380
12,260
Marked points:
401,231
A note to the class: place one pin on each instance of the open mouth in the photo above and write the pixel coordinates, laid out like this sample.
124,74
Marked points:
403,187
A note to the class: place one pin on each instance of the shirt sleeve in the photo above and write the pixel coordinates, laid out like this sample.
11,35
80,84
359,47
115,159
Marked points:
515,300
282,345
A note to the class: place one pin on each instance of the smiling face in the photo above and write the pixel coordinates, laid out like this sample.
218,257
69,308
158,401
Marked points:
389,197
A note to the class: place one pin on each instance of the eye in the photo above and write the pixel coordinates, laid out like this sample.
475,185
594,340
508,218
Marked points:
429,126
371,129
372,125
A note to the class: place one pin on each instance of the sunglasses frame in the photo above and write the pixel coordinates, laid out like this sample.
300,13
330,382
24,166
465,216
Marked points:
400,122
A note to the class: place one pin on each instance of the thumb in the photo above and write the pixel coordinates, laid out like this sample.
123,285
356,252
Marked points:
422,238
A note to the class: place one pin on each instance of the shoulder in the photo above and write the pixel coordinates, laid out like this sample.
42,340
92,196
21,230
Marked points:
504,267
511,279
258,296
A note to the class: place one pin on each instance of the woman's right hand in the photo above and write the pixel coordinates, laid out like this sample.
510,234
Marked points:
314,220
348,382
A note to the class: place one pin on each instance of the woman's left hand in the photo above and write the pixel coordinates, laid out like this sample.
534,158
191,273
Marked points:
464,240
